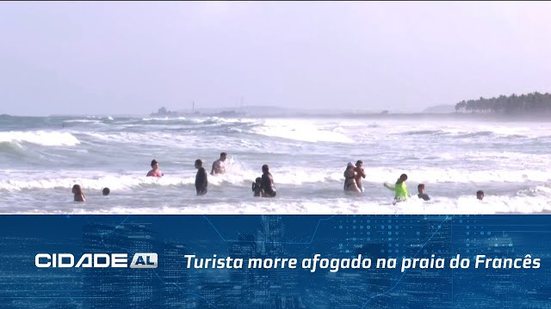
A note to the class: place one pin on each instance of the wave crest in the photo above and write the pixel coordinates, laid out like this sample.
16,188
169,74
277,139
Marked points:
43,138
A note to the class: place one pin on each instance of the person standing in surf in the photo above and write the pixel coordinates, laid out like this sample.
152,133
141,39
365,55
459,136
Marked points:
267,182
350,184
201,181
400,189
359,170
219,166
155,171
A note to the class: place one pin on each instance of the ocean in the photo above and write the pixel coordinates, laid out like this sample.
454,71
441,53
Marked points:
42,157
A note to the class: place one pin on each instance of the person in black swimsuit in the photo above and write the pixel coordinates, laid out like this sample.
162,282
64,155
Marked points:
267,182
201,181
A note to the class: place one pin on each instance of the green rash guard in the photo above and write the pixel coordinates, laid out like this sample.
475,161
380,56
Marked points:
401,191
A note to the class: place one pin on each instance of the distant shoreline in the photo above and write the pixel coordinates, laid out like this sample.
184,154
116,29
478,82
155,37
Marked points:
389,116
350,115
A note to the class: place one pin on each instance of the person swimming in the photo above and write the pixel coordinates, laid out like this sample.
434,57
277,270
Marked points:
267,182
155,171
78,194
350,184
400,189
257,187
480,195
219,166
105,191
422,194
201,181
359,169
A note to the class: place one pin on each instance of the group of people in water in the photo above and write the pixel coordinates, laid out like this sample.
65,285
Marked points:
263,186
79,195
201,179
353,177
354,173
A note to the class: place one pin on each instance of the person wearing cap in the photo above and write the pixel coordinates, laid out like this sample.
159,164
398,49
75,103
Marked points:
359,169
219,166
155,171
350,184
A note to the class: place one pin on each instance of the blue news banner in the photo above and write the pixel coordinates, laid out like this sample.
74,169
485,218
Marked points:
343,261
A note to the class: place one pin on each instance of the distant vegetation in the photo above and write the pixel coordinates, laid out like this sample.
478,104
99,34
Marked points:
531,103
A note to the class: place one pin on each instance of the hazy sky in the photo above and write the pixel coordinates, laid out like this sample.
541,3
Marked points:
124,57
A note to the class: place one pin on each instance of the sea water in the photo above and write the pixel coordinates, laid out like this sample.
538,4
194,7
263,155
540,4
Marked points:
42,157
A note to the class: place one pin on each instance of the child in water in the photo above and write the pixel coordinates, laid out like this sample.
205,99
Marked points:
400,189
257,187
422,194
79,195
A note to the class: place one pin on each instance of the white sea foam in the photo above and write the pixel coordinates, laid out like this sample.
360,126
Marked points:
301,131
82,121
44,138
241,176
456,175
92,181
179,140
509,161
343,205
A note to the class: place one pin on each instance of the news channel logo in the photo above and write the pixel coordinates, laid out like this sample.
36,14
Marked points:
140,260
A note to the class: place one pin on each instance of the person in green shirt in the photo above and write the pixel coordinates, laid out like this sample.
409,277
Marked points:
400,189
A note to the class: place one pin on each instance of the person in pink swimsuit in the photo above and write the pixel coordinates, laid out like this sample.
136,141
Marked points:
155,171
